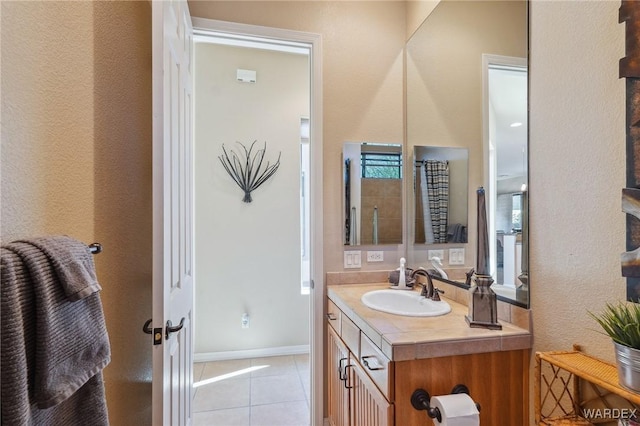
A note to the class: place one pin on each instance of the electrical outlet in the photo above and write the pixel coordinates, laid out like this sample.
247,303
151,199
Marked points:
352,259
244,321
436,253
375,256
456,256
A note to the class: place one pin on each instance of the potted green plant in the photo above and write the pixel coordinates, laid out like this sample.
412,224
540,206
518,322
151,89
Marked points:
621,322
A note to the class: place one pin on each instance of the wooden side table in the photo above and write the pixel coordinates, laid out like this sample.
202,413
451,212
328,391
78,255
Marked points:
558,400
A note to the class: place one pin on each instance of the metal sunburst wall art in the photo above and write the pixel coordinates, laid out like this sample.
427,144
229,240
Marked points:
248,172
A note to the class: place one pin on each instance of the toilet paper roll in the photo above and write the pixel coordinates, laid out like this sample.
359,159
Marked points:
456,410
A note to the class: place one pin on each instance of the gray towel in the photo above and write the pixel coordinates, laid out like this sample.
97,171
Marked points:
73,263
457,233
52,350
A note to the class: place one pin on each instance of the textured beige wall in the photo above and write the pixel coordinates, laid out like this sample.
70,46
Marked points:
363,76
76,159
122,198
577,162
47,119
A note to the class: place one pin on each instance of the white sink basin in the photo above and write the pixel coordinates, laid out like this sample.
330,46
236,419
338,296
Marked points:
403,302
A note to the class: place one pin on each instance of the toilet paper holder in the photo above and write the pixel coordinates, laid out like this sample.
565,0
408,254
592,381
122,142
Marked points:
421,400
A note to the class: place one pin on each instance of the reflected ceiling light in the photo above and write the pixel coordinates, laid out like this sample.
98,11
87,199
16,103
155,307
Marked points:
516,124
523,187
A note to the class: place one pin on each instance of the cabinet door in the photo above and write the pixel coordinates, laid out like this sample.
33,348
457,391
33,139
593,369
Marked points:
368,405
338,359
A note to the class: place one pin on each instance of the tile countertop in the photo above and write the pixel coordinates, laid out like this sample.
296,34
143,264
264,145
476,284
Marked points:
403,338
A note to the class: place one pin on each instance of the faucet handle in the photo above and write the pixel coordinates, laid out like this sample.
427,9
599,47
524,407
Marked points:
436,294
424,280
425,289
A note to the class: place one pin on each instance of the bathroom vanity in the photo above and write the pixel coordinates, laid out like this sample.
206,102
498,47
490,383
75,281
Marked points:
376,360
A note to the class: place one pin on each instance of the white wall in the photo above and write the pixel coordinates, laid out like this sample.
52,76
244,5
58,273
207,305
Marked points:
248,254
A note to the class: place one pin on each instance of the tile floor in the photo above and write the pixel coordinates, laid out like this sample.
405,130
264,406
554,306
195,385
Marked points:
270,391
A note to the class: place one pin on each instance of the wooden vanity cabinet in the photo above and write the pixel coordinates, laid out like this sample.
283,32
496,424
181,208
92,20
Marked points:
368,405
498,381
353,397
379,393
338,393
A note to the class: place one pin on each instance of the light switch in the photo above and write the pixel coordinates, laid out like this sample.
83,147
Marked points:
436,253
456,256
352,259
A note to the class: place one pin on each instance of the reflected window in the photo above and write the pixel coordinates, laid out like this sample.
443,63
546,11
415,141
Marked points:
377,165
516,213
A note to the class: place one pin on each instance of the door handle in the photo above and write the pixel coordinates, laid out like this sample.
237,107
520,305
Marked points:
147,327
366,363
346,376
170,328
340,369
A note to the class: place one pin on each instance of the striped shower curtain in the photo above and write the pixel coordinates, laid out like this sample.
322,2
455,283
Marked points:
435,200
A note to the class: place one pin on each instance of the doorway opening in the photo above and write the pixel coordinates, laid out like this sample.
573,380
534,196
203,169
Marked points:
256,263
506,135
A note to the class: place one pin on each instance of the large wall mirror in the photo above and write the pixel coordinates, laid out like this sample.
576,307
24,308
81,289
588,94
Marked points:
372,193
455,102
505,81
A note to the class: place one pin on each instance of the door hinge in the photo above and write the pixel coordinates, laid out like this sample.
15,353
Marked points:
311,284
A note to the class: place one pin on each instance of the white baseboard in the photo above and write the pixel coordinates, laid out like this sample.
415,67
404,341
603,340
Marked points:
251,353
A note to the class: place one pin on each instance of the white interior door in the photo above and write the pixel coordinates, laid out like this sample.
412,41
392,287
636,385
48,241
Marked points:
172,213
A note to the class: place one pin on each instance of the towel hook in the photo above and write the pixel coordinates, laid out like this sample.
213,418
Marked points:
147,326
